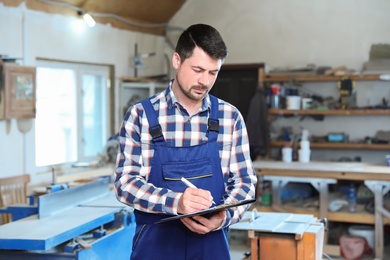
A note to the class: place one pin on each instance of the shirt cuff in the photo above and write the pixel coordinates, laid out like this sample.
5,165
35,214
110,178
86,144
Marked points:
225,222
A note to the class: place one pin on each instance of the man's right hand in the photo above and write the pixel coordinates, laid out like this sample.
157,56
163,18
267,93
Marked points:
194,200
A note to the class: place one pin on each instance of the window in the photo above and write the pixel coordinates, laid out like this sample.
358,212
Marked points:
72,121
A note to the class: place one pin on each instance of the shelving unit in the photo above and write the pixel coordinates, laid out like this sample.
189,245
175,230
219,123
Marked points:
340,112
321,174
280,173
315,78
328,145
346,146
359,217
354,145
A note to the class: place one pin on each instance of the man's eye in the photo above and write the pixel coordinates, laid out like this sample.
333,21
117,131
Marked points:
198,71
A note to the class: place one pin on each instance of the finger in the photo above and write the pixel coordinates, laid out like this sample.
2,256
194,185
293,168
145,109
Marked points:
194,226
201,196
197,199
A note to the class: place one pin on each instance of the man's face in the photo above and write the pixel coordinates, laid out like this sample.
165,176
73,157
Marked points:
196,75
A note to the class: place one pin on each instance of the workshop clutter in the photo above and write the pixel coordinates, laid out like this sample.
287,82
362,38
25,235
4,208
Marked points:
293,99
304,152
353,247
290,151
265,193
292,96
359,241
351,197
365,231
291,193
388,160
287,90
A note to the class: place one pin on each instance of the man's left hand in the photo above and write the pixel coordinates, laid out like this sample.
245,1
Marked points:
202,225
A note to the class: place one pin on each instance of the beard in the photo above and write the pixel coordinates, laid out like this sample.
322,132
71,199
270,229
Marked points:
191,93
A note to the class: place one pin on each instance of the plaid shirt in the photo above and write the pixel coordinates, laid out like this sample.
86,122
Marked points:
179,129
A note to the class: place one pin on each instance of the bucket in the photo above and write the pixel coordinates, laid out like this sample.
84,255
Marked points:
364,231
287,154
293,102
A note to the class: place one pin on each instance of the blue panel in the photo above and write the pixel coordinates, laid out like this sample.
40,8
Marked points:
116,245
54,203
19,212
42,234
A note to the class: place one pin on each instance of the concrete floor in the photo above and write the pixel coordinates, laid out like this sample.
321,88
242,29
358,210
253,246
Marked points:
238,250
239,244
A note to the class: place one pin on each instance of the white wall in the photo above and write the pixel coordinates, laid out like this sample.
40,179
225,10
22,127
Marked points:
290,33
31,34
286,33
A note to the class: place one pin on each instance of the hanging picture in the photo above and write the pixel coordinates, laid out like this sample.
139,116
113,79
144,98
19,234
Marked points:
19,92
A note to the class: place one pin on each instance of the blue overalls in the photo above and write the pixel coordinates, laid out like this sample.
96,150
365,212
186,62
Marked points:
201,165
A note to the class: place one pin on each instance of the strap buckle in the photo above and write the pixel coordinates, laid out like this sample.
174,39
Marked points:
155,131
213,124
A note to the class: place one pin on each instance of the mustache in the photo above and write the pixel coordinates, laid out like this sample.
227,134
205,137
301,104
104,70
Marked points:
200,86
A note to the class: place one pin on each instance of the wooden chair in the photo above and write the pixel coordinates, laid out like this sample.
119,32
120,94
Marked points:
13,190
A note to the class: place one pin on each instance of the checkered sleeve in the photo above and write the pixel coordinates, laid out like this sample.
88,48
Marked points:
240,176
131,173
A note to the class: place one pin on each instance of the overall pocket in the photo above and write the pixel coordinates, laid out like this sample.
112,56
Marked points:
197,172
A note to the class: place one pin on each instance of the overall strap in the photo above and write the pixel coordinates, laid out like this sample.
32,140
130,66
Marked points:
154,127
213,122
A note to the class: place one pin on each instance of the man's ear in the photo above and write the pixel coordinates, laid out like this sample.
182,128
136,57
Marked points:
176,60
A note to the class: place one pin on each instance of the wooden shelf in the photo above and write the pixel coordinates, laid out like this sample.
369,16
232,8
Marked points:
346,146
315,78
340,112
339,216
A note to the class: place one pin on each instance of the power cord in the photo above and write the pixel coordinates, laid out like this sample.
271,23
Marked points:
327,256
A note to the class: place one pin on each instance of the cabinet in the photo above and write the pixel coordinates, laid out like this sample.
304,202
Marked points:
131,92
237,83
370,91
276,236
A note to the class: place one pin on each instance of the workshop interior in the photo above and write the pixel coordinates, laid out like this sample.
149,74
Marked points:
310,78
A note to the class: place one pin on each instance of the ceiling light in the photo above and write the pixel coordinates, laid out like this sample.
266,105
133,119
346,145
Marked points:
89,20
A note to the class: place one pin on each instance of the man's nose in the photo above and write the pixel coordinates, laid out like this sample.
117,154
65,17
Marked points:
204,79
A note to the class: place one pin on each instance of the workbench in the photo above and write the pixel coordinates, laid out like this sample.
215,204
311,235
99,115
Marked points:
84,222
376,178
276,236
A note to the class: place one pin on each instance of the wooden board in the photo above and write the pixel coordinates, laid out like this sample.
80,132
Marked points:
144,12
334,170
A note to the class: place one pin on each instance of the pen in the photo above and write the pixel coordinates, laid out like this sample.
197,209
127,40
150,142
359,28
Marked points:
189,184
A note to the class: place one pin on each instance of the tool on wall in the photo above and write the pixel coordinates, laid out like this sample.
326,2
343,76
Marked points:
138,59
346,86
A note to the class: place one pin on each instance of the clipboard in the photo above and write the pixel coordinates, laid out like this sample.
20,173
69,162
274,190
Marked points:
209,211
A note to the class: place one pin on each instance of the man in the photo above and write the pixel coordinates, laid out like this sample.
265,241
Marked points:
185,132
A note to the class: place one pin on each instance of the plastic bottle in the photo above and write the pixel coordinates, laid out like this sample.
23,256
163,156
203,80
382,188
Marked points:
266,195
352,198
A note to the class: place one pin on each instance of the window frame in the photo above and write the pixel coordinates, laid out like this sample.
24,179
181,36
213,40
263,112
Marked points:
29,140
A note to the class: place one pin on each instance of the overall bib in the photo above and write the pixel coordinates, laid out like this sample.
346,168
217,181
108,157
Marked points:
201,165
